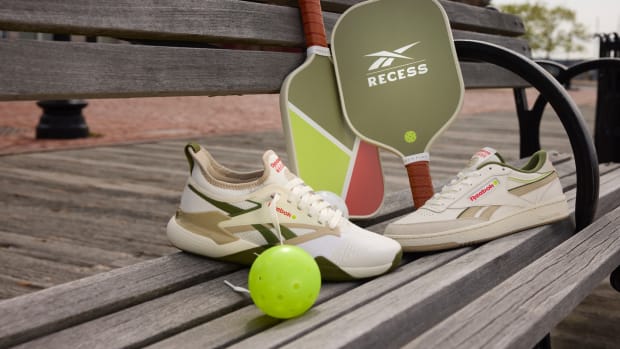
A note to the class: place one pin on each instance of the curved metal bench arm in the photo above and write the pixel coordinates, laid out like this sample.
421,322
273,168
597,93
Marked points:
581,142
554,68
529,122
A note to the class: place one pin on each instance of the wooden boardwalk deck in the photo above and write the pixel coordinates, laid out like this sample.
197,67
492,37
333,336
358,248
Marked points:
68,214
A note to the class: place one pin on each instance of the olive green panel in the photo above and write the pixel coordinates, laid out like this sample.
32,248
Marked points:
398,73
313,90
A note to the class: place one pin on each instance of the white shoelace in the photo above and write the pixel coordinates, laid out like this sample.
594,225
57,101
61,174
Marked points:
306,200
450,191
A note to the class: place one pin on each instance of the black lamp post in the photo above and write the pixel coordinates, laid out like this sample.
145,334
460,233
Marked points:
62,119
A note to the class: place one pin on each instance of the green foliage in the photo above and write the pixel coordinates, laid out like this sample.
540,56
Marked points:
548,29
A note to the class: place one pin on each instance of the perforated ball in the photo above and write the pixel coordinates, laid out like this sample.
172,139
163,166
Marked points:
284,281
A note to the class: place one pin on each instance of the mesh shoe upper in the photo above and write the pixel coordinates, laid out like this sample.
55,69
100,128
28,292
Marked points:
242,212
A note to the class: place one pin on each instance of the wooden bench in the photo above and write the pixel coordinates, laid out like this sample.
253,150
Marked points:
443,299
237,47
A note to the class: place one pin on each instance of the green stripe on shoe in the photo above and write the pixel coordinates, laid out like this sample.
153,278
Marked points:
224,206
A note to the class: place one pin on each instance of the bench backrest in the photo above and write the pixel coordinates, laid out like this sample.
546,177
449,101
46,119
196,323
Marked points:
188,47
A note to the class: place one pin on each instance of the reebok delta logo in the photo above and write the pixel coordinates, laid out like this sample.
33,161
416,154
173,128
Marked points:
484,190
277,165
390,74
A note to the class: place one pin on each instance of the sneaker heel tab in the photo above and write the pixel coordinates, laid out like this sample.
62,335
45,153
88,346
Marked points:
189,149
537,161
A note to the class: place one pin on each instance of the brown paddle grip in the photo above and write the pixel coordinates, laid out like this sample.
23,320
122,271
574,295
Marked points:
420,180
312,18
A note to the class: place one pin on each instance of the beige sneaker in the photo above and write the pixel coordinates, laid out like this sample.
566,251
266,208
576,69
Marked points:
486,200
234,216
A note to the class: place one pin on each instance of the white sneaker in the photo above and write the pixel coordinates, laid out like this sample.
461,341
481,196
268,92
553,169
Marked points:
233,216
486,200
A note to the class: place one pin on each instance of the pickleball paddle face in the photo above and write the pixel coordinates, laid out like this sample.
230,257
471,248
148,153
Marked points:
322,149
398,75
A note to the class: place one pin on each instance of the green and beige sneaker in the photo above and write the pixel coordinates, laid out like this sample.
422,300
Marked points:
486,200
233,216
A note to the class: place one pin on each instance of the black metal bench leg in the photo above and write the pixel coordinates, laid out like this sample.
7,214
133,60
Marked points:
614,279
529,124
62,119
607,125
544,343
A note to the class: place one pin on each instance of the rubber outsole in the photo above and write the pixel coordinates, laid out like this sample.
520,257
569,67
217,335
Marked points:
478,233
244,252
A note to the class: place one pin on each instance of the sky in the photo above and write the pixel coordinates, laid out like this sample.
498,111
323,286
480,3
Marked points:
599,16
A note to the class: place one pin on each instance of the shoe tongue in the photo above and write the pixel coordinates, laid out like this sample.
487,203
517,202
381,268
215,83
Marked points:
483,156
276,172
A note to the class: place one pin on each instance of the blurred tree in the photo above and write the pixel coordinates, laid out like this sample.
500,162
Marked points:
548,29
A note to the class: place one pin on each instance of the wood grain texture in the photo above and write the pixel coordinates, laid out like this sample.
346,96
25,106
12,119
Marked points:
250,324
154,320
36,70
461,16
29,316
427,300
520,311
207,21
48,70
65,251
343,304
421,304
593,324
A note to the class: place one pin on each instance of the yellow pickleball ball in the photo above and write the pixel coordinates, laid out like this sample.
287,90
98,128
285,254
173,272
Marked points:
284,281
410,136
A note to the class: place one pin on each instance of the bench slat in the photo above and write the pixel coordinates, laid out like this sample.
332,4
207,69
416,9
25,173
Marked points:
233,327
147,281
183,20
36,70
517,313
207,302
57,70
206,21
30,316
421,304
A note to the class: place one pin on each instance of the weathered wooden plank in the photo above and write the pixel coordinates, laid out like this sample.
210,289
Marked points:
233,327
521,310
37,273
460,281
35,70
205,21
184,20
147,322
30,316
155,320
9,287
486,19
422,303
608,189
64,251
41,70
112,169
593,324
104,231
85,182
461,16
84,201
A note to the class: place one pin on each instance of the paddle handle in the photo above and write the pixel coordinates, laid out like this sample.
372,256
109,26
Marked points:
419,173
312,18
